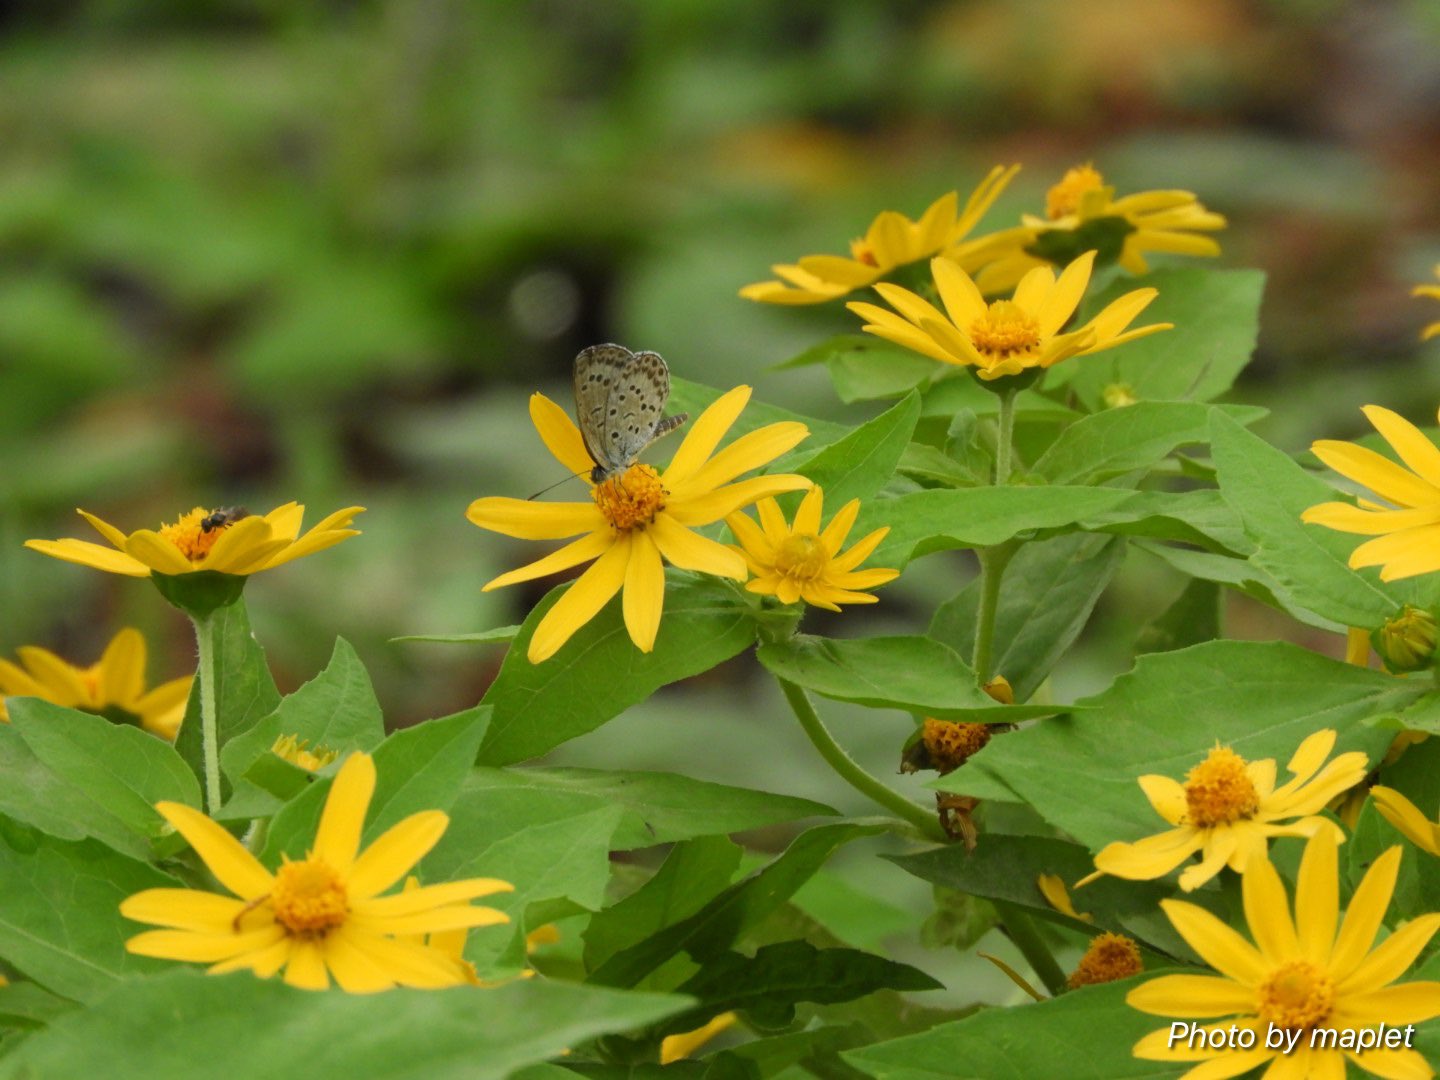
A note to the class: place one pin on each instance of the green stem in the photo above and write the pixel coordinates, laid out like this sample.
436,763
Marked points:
1006,441
836,757
993,561
209,722
1019,929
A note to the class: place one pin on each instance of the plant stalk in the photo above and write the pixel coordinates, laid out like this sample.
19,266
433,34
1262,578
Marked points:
209,720
1019,929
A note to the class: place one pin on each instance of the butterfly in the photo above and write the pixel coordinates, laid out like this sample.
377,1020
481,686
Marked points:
619,399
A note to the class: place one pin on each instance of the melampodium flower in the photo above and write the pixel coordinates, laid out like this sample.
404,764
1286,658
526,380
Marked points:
227,541
1080,204
1316,986
1227,809
1108,958
1408,818
1005,337
1432,291
800,561
639,518
892,240
1407,540
320,917
113,687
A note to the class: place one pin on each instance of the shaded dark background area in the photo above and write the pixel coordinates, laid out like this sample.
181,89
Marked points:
258,251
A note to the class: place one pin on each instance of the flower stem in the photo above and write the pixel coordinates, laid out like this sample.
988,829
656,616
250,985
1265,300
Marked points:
836,757
1019,929
209,721
1006,440
993,561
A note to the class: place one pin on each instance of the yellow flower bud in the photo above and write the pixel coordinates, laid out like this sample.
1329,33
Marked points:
1407,641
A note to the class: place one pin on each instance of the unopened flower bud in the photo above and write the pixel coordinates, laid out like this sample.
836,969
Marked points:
1407,641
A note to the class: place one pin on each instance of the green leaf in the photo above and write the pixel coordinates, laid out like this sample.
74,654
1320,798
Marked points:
659,808
599,673
244,690
1216,316
337,710
107,776
27,1005
958,390
715,927
695,398
1006,868
863,368
1261,699
1201,518
1083,1035
268,1030
862,462
926,521
60,921
1117,441
503,634
692,874
1046,596
1309,563
1239,574
918,674
767,986
1192,618
854,915
417,768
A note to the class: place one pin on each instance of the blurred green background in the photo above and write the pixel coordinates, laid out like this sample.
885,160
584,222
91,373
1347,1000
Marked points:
254,251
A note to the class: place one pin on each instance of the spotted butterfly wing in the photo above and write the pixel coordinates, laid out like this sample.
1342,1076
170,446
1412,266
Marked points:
620,397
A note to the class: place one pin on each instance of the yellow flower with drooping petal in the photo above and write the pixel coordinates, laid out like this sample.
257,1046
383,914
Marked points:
1004,337
320,917
637,520
1408,818
1157,221
892,240
1432,291
1407,539
235,545
113,687
801,561
1300,975
1228,809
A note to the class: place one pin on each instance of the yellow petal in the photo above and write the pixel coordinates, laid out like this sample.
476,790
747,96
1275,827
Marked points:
937,224
838,270
1166,795
1353,519
285,520
264,962
1408,442
237,544
1060,302
122,667
776,292
750,451
355,971
431,921
749,535
18,683
1267,911
61,681
691,551
836,533
1218,945
560,435
1364,915
105,529
409,965
1393,1064
572,554
528,520
1406,816
1408,1003
317,539
230,862
94,556
337,838
1317,900
581,602
200,947
1118,314
807,517
643,601
149,547
184,909
426,897
1310,755
394,852
305,966
711,507
1391,959
705,435
1377,472
1220,847
962,300
1191,996
859,551
1152,857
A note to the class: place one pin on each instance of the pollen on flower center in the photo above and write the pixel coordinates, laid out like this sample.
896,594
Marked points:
309,898
1296,995
631,499
1005,330
194,542
1219,790
1064,197
802,557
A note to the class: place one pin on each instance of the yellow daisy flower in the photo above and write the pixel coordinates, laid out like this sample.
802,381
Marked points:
1408,818
320,917
800,561
892,240
637,520
1164,221
1228,808
1407,540
228,542
1300,975
113,687
1432,291
1004,337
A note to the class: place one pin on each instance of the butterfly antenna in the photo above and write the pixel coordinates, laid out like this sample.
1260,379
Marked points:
552,487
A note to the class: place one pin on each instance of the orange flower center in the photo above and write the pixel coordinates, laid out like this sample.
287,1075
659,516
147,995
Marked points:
1219,790
309,898
1005,330
861,251
802,557
187,535
1109,957
631,499
950,743
1296,995
1064,197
